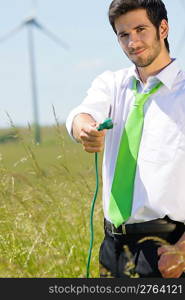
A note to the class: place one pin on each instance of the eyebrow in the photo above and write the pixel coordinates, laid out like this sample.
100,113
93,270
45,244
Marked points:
138,26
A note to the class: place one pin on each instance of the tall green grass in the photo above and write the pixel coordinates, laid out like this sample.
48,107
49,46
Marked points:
45,197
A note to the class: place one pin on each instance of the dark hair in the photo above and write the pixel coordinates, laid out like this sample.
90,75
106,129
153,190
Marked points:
155,10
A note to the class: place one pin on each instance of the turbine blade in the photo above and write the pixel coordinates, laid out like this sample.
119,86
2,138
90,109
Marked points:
11,32
51,35
34,8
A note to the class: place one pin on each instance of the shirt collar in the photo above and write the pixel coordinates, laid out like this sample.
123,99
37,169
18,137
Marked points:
167,75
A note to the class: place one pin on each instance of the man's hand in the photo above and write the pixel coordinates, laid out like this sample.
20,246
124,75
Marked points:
85,131
172,259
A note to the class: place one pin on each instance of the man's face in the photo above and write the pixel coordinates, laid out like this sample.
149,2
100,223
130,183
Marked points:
138,37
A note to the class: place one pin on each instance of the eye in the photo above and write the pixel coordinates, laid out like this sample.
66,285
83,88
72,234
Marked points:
140,29
123,35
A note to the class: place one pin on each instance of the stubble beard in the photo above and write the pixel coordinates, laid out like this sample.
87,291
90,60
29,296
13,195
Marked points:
147,61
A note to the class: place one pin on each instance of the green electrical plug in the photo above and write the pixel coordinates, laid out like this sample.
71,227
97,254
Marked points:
107,124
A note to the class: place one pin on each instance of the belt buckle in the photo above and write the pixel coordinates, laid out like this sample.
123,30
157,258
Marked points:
113,231
123,227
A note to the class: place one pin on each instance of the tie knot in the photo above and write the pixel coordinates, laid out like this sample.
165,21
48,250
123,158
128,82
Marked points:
140,99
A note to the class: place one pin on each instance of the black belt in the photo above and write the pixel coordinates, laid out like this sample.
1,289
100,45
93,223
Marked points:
155,226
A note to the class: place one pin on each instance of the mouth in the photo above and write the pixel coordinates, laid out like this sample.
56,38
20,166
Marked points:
138,52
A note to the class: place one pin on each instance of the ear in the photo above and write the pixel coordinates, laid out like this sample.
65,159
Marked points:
164,29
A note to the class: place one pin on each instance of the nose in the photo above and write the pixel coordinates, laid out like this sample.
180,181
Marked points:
133,40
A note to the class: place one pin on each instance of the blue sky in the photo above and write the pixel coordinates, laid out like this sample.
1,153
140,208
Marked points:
63,77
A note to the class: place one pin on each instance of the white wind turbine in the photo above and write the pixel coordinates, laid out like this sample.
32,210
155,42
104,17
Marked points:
32,22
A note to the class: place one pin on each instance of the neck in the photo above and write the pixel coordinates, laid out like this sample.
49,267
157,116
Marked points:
154,68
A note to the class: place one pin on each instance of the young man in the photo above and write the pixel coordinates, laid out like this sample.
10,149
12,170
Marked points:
144,155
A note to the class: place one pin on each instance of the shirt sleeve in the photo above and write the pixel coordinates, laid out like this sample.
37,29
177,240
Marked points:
97,103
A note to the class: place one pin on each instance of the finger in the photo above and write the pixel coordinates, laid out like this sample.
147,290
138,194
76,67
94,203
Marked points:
93,149
93,146
85,137
91,130
91,139
93,142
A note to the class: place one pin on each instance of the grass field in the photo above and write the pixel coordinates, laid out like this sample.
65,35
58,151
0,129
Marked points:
45,197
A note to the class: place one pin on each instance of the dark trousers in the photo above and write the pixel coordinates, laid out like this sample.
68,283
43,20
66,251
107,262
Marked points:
122,255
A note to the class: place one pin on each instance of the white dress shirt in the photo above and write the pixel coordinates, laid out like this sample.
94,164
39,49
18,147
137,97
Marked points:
159,187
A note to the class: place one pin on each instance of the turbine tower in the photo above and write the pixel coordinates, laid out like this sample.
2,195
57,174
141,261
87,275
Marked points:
32,22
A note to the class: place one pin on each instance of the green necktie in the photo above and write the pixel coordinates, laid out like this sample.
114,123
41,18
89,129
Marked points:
123,182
